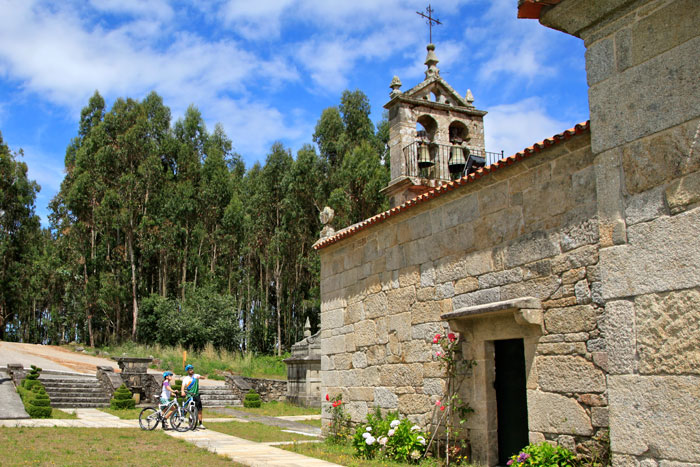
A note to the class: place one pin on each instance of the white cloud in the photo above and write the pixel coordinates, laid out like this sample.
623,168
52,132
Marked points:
513,127
253,126
259,19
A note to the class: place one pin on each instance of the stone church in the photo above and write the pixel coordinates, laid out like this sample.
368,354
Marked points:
570,270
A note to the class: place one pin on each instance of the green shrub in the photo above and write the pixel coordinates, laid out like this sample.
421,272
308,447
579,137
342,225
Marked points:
122,399
252,399
37,402
32,378
543,454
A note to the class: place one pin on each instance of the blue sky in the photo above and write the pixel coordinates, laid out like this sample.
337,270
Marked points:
266,69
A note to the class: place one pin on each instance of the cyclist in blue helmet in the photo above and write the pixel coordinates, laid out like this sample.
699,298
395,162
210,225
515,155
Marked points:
167,390
190,384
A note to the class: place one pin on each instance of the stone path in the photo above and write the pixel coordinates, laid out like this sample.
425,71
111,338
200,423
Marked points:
237,449
10,404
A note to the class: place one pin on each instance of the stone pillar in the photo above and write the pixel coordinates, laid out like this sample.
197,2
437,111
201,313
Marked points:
135,375
304,370
642,65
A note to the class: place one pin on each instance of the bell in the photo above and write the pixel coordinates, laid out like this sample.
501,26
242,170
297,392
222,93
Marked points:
457,161
424,160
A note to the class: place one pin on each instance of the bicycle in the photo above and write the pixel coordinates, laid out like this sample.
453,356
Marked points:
181,419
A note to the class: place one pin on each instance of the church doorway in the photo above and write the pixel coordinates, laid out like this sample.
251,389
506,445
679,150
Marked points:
511,398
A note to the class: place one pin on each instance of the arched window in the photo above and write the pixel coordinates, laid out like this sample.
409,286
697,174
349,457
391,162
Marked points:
459,132
426,127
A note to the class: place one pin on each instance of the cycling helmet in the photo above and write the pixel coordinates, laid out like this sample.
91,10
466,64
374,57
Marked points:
189,367
167,373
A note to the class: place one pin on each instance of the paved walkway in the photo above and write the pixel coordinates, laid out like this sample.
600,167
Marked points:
10,404
237,449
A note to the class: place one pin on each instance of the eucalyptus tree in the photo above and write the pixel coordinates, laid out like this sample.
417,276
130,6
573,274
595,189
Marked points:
19,230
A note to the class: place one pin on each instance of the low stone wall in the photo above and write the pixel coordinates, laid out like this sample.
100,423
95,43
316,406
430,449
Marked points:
16,372
269,389
109,380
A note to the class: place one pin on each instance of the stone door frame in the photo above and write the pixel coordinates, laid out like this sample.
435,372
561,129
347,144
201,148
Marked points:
479,326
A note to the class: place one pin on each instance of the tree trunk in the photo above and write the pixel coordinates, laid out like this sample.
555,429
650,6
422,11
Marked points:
278,293
199,257
88,305
184,263
135,304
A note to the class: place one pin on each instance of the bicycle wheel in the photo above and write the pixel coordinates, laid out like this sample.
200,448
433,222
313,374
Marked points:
149,418
181,420
194,413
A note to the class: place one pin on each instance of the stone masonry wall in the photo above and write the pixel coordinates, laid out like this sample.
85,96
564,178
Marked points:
529,229
643,63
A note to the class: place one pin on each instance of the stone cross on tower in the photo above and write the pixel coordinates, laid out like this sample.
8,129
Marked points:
430,21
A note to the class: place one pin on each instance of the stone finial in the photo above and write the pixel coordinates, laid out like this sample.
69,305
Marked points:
395,86
326,217
431,60
469,97
307,328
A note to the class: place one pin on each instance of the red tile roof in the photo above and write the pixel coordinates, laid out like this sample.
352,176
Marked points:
449,186
531,8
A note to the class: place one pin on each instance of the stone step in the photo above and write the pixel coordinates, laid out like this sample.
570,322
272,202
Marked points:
77,405
72,390
74,384
91,400
217,391
225,396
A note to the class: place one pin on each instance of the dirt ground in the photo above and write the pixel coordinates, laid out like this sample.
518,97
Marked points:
51,357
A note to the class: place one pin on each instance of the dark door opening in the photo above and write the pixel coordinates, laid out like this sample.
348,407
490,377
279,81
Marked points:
511,399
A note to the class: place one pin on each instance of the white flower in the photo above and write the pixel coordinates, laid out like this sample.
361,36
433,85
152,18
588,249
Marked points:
370,440
421,440
383,440
415,428
391,432
366,435
395,423
369,428
415,455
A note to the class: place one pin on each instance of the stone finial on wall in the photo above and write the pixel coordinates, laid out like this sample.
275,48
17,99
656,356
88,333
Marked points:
395,86
326,217
431,60
469,97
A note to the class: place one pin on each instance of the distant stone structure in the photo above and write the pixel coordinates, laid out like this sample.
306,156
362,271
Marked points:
304,370
569,269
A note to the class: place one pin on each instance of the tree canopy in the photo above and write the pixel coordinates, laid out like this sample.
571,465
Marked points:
160,234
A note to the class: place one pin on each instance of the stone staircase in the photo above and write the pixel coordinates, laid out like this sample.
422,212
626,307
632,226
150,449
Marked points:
68,391
217,396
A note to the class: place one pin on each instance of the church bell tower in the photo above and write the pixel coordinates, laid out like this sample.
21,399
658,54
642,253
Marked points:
435,135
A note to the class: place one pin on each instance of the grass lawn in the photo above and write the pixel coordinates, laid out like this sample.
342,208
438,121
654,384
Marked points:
279,409
343,454
60,414
316,423
257,432
98,446
133,414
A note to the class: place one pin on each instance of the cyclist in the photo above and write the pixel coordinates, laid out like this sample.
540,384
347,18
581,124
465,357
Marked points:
166,391
190,383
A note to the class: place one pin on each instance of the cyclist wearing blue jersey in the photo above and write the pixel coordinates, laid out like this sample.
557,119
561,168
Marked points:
190,384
